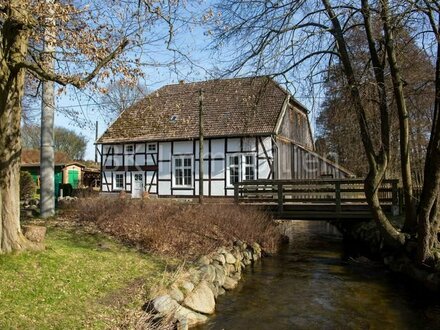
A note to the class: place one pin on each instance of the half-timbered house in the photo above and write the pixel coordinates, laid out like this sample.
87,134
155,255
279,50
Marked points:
252,127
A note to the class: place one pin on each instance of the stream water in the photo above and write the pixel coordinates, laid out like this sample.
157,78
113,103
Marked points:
315,283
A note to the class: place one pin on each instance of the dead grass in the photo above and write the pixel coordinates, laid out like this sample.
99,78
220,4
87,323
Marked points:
179,229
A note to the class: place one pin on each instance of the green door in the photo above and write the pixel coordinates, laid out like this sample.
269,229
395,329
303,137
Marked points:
73,178
58,180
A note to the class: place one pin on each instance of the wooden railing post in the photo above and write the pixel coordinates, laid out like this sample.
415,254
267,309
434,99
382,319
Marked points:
338,197
280,198
395,209
236,195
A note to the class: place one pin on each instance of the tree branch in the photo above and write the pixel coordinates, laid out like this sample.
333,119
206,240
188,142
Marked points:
40,72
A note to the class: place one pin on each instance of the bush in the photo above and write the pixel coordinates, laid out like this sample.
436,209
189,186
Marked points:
28,187
179,229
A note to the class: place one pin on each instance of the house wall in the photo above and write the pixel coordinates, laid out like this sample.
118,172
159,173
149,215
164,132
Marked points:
297,162
295,127
76,168
158,165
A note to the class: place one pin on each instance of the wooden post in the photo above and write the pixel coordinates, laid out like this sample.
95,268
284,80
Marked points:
236,192
338,198
201,145
280,198
395,209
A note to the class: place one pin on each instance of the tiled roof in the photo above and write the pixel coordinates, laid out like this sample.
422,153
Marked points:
231,107
32,157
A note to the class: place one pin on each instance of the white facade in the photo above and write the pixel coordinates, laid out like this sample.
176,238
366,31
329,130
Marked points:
172,168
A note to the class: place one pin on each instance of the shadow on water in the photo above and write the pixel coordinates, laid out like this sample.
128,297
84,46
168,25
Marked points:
313,284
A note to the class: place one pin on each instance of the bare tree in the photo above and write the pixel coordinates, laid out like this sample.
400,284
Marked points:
119,96
93,39
290,38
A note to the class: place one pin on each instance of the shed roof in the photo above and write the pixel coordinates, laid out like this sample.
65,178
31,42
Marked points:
231,107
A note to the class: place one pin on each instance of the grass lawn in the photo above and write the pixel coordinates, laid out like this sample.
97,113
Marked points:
80,281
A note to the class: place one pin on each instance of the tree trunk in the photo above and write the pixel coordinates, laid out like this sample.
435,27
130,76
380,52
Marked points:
428,208
13,49
378,163
410,224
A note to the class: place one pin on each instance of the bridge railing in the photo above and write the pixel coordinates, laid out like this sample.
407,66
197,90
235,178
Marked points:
337,192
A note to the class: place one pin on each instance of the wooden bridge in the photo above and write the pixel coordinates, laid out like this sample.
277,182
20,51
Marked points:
316,199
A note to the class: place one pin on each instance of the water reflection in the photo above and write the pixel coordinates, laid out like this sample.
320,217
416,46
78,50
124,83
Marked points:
310,285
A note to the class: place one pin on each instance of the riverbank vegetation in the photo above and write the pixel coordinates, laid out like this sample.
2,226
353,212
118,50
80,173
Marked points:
103,256
179,229
82,280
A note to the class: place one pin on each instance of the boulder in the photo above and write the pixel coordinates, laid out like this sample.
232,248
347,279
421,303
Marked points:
165,305
230,283
34,233
230,259
220,274
176,294
220,258
204,260
187,287
201,299
221,291
207,273
188,318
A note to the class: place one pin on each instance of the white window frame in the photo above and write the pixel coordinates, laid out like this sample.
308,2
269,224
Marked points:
151,145
114,181
183,157
129,152
241,166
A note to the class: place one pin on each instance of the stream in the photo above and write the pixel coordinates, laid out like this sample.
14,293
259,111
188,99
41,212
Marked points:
316,282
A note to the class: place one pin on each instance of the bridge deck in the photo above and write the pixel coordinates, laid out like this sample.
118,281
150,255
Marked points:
316,199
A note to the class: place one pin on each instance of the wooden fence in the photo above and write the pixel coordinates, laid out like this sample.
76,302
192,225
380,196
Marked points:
325,197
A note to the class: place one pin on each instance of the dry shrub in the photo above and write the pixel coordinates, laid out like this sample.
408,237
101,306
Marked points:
180,229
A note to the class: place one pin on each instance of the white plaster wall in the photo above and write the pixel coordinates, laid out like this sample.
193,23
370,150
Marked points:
263,169
233,145
140,147
249,144
217,148
165,151
164,171
217,188
164,188
182,147
140,160
218,169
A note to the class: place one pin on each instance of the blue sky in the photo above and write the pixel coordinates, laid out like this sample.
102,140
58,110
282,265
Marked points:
84,109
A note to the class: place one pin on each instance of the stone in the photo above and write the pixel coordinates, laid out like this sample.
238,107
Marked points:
187,318
220,258
201,299
176,294
214,288
204,260
187,287
221,291
230,269
34,233
230,259
230,283
220,275
165,305
207,273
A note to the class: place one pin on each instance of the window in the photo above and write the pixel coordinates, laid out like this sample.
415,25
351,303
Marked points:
129,149
151,147
183,171
119,181
249,167
241,167
234,169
